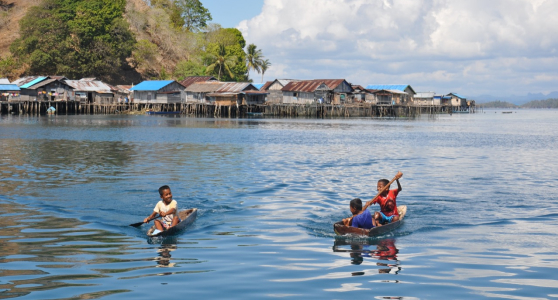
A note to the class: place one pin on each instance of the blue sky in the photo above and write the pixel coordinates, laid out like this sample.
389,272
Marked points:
473,47
229,13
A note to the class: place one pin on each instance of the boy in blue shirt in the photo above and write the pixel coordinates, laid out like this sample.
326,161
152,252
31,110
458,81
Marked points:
361,218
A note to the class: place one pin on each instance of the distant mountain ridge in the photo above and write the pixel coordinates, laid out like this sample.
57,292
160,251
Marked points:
517,100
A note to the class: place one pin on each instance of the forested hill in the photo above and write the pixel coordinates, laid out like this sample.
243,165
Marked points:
549,103
121,41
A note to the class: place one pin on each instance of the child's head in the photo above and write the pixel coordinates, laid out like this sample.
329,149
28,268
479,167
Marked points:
356,205
382,183
165,194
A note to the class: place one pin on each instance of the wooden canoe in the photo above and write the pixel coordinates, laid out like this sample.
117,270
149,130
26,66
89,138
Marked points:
341,229
188,216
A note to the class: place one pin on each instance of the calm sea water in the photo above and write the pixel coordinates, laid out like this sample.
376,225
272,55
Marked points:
481,192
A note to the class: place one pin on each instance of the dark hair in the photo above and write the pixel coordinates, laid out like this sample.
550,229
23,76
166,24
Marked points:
356,204
164,187
385,181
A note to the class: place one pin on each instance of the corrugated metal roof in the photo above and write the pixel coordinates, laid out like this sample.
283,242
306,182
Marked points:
88,86
151,85
9,87
124,87
23,80
258,85
424,95
40,84
389,91
4,81
33,82
58,77
188,81
399,87
256,93
457,95
311,85
204,87
233,87
266,86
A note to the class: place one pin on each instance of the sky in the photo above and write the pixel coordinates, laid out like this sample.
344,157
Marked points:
473,47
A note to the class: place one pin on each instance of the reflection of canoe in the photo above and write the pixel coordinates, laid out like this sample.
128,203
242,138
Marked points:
150,112
188,216
341,229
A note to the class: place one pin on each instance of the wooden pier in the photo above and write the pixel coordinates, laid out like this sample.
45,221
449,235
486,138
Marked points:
217,111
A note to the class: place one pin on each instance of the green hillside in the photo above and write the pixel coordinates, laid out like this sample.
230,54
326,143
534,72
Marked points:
122,41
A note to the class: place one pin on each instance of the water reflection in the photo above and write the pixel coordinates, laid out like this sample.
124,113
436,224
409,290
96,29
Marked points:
384,251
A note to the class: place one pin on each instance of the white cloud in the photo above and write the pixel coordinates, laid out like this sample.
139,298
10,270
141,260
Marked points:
472,47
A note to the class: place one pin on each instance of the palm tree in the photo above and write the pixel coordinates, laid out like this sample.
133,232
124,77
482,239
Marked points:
254,58
264,66
221,61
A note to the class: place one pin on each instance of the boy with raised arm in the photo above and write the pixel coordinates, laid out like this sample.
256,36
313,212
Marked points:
387,200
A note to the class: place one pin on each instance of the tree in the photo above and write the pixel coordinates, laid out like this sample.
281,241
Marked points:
222,62
264,66
75,38
7,67
233,42
195,15
253,58
187,68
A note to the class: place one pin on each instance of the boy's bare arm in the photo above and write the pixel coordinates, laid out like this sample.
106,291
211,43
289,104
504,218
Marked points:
399,188
151,216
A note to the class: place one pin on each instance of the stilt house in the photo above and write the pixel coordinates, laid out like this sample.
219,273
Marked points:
334,91
90,91
238,93
424,99
158,91
274,90
392,94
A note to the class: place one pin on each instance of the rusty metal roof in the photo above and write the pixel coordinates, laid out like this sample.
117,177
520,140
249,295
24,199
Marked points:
256,92
311,85
23,80
204,87
266,85
235,87
188,81
88,86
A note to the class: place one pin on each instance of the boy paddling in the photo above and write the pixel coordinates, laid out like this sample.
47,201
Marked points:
387,200
166,208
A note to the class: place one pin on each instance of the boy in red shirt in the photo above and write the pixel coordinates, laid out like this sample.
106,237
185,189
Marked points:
388,212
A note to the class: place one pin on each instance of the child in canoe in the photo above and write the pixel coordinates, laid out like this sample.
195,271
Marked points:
388,207
361,218
166,208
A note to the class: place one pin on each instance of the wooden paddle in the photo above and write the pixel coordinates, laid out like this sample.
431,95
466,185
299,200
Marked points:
347,221
141,223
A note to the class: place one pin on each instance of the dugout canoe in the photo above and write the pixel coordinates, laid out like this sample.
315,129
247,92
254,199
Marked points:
188,216
341,229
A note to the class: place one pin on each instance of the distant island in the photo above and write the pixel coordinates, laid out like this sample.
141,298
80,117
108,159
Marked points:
549,103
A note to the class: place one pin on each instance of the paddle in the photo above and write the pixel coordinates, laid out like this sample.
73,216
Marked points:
347,221
141,223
